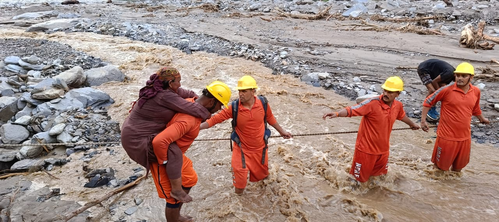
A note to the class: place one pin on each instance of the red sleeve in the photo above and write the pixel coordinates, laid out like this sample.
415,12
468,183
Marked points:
223,115
401,113
270,116
476,109
362,108
432,99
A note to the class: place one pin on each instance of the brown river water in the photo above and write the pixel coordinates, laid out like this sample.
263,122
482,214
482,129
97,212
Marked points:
308,179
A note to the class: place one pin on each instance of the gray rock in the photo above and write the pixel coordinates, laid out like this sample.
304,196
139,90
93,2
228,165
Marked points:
13,134
29,66
15,69
34,15
35,74
12,60
138,201
7,92
8,108
3,83
364,97
68,16
57,129
73,77
43,85
496,107
48,94
43,137
27,164
64,137
361,92
29,151
131,210
26,111
57,24
98,76
7,155
33,59
45,109
23,120
60,84
27,98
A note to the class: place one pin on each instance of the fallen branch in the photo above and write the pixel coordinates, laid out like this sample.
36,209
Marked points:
382,18
491,38
495,61
98,201
406,67
321,14
418,30
365,26
11,175
44,147
265,19
12,171
52,176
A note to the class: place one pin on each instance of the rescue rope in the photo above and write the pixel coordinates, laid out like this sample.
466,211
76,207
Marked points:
199,140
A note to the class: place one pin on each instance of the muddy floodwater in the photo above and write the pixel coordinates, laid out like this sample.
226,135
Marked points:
308,179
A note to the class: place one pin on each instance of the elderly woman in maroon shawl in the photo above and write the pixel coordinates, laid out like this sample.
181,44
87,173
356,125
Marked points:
158,101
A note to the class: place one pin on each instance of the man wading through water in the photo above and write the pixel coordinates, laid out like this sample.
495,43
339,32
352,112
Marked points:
460,101
250,134
372,147
183,129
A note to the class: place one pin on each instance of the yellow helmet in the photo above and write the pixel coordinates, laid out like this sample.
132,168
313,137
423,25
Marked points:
465,68
220,91
393,84
246,82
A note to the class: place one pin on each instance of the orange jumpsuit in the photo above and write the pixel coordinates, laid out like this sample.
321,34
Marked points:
250,128
453,144
182,129
373,139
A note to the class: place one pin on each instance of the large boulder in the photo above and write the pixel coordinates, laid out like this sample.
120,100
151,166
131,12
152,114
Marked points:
8,108
76,99
13,134
101,75
74,77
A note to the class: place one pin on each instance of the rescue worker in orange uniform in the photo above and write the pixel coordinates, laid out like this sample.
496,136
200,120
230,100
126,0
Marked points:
252,155
183,129
460,101
373,139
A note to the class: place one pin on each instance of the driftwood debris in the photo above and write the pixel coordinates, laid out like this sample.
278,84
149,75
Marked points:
321,14
365,26
98,201
488,72
406,67
417,19
11,175
475,39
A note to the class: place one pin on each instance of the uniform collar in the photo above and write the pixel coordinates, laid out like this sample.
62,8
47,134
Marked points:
455,88
383,104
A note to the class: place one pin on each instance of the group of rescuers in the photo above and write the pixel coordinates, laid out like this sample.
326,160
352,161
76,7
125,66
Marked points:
162,102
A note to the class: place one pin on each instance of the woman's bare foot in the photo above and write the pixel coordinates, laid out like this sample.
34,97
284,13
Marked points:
181,196
186,218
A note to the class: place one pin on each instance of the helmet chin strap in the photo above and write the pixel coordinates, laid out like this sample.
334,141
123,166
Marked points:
213,107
